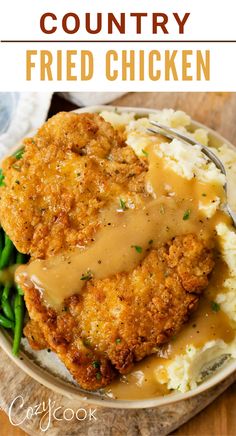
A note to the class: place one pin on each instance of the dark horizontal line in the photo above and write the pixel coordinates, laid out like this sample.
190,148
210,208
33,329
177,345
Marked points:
117,40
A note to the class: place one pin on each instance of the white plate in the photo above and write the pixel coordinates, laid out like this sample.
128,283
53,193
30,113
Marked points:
61,384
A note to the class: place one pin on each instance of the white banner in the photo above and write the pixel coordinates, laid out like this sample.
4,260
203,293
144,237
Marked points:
52,45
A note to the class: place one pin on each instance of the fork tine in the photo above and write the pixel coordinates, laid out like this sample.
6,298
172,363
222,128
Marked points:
159,132
174,132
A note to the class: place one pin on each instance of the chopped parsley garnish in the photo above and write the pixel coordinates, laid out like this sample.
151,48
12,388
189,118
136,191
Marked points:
215,306
2,177
96,364
17,182
123,204
87,342
150,242
98,376
204,194
145,153
186,214
19,153
118,341
137,248
87,276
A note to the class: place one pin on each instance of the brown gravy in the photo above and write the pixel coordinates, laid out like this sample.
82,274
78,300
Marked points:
158,218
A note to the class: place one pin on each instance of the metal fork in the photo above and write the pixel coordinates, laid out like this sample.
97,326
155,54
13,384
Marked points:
171,133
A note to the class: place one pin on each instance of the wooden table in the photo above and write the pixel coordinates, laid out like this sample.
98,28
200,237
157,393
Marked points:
218,111
218,419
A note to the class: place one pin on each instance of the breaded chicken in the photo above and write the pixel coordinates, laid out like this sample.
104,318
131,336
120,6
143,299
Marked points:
70,170
117,321
73,167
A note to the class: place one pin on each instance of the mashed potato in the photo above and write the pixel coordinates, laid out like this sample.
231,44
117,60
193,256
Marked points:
227,299
228,157
189,162
118,119
189,369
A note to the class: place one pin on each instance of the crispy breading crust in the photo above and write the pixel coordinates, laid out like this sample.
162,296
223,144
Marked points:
71,169
119,320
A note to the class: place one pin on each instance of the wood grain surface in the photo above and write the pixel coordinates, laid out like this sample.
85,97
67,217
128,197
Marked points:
218,419
218,111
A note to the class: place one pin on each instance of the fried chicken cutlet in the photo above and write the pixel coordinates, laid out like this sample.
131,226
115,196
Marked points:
119,320
70,170
50,203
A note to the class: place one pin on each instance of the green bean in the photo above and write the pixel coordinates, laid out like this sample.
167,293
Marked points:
6,237
12,260
6,305
1,241
2,177
13,317
19,290
6,291
7,310
7,323
20,258
6,253
19,317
